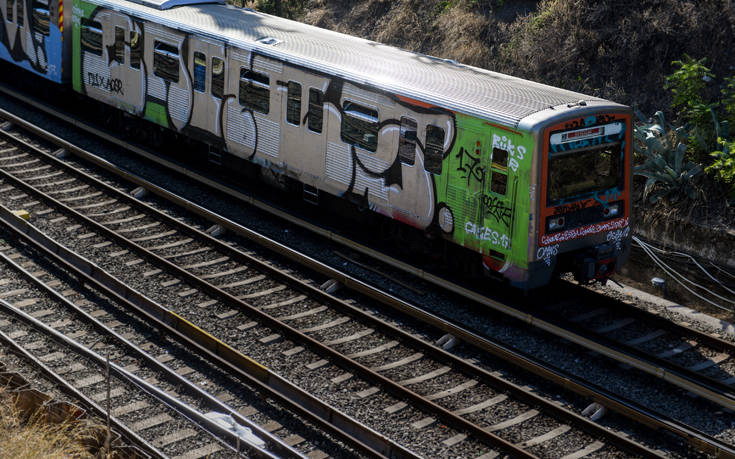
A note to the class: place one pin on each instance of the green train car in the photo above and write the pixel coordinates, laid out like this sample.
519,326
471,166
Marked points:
533,179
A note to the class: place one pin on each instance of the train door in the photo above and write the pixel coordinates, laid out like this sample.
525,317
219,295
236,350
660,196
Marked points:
207,65
497,202
124,82
303,136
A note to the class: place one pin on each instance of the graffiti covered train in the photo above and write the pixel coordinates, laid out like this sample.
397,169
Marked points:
533,179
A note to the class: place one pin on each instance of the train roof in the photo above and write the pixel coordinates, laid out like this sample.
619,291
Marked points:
490,95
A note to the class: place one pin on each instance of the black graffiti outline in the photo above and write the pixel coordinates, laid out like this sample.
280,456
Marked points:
473,168
498,209
113,85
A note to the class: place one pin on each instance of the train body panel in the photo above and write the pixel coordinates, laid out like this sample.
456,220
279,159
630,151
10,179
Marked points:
36,36
445,148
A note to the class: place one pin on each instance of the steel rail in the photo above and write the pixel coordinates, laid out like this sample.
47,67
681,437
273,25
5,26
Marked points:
361,437
566,380
120,372
66,387
446,416
276,445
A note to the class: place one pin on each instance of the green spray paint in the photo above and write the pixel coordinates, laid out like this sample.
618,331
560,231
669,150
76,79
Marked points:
485,183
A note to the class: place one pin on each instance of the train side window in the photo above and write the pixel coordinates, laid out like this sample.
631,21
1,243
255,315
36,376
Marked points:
407,142
200,71
41,17
499,176
434,151
500,158
254,90
9,10
166,61
499,182
293,105
91,36
119,45
135,49
20,16
218,77
315,119
360,126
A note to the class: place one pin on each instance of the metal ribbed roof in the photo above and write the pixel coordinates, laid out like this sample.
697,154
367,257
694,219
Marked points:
471,90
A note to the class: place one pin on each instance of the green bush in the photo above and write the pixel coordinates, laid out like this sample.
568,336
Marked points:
724,165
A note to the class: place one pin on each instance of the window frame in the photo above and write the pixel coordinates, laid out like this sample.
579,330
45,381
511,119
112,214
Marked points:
403,140
362,118
37,11
88,26
296,107
313,111
10,10
258,88
194,72
440,150
119,46
212,86
135,51
160,53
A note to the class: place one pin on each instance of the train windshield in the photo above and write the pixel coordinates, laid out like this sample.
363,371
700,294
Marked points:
578,173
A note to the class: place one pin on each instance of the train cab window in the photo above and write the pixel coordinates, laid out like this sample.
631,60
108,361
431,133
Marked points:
200,71
434,151
407,141
255,90
20,17
91,36
499,171
293,106
315,118
41,17
119,45
360,126
9,10
135,49
166,61
218,77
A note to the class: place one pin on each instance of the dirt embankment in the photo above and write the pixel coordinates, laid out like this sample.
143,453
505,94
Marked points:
616,49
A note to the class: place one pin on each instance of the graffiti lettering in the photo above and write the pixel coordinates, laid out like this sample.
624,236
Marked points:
470,166
617,237
517,153
485,233
547,253
589,121
608,196
573,207
110,84
497,209
584,231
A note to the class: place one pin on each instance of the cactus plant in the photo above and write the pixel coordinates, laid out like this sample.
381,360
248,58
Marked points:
669,175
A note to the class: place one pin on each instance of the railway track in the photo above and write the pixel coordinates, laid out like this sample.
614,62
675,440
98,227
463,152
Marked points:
45,326
460,405
626,407
34,390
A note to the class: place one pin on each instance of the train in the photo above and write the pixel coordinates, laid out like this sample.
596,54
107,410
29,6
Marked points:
519,179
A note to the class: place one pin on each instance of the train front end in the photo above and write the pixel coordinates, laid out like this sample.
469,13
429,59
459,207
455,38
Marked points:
583,206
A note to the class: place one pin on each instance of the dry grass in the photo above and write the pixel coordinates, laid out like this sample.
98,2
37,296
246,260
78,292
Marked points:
23,436
617,49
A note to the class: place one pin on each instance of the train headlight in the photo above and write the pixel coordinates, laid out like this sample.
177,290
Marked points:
557,223
611,211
